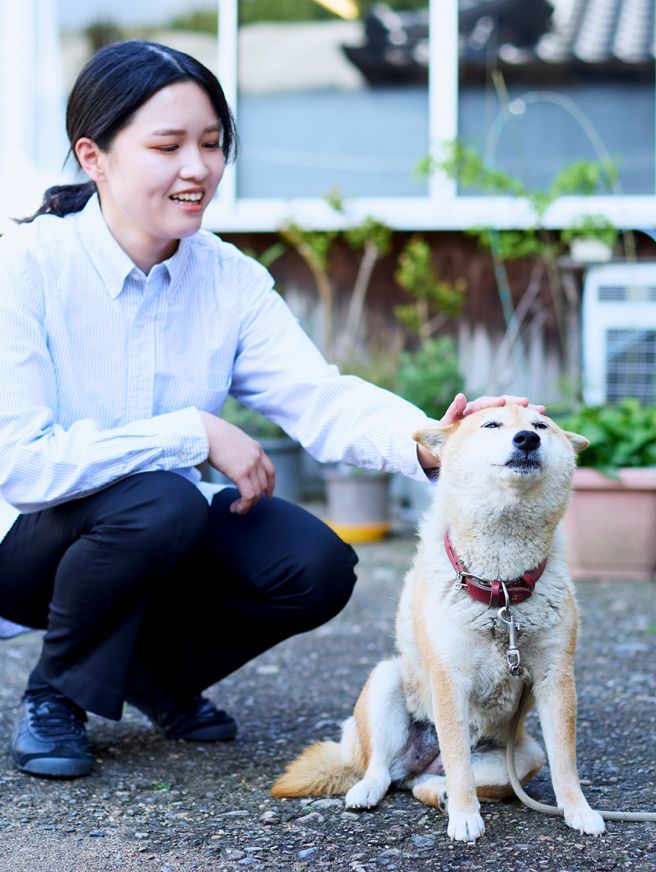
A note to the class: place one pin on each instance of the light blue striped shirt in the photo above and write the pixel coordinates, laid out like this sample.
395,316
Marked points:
103,369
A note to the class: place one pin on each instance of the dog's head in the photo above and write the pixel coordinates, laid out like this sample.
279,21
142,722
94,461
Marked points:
511,447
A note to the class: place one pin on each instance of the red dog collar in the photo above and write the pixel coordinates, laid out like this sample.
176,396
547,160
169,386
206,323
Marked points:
491,592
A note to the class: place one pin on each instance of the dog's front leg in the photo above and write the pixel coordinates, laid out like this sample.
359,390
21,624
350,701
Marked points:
555,694
451,712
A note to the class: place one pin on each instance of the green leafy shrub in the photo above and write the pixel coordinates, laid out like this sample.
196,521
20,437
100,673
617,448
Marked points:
249,421
620,435
429,377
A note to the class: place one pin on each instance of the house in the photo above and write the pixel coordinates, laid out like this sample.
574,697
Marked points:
531,84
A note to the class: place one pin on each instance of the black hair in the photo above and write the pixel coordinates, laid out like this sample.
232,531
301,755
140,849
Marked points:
114,83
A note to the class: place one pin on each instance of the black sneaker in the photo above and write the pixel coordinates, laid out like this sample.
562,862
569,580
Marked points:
198,721
49,736
194,719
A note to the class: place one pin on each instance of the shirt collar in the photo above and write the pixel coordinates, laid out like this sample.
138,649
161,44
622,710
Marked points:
113,264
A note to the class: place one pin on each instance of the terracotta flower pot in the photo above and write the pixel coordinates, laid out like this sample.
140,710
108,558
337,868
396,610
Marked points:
611,525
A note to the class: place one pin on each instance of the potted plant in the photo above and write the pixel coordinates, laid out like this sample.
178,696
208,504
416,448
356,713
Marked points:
611,519
284,452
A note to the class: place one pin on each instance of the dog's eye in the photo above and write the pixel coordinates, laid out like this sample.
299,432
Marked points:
540,425
492,424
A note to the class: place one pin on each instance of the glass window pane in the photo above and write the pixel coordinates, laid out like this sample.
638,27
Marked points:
85,27
332,100
544,83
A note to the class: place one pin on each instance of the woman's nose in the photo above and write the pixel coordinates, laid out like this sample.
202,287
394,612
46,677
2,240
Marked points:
194,165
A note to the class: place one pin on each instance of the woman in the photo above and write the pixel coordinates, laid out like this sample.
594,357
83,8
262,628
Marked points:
123,329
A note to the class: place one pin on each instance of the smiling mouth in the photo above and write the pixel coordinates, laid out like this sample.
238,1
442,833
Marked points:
194,198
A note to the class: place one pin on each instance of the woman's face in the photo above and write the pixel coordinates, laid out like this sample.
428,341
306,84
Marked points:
160,173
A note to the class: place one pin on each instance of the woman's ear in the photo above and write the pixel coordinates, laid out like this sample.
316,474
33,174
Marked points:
90,158
434,438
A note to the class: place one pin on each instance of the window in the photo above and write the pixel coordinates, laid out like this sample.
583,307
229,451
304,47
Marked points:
352,93
330,95
544,83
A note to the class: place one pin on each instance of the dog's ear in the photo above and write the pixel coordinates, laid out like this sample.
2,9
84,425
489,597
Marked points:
434,438
578,442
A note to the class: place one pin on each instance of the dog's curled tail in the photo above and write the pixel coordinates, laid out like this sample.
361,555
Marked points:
323,769
320,770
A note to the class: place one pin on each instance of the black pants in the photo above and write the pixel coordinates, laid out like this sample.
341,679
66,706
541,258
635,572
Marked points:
145,575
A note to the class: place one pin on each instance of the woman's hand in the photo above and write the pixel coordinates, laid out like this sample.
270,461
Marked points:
459,408
242,459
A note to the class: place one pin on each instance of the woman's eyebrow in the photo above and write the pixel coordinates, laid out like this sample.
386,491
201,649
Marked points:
212,128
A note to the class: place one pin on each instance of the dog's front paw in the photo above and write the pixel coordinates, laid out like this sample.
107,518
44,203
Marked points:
585,820
365,794
465,827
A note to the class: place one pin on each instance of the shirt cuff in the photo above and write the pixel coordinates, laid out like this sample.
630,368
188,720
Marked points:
183,438
411,467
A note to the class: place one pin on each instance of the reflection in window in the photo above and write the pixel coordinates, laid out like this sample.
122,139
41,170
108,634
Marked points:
332,93
547,82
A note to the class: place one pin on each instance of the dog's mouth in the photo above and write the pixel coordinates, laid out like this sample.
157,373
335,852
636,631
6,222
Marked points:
523,463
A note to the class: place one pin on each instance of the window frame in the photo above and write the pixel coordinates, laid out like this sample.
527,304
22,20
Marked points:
442,208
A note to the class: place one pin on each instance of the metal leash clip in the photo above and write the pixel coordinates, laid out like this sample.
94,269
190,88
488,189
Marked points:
513,657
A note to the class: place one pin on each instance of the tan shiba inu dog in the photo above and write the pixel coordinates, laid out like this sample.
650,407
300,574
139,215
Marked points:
487,606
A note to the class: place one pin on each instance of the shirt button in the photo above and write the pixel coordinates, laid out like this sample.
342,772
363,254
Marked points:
183,456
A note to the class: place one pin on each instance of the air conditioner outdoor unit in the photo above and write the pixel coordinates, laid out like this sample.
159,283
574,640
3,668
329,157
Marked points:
619,333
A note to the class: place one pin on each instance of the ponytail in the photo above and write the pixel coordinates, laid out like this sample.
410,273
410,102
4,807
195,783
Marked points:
60,200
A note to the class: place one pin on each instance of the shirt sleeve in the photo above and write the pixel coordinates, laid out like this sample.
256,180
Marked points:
41,462
338,418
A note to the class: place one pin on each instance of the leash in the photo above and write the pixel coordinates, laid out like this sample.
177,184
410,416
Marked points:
540,806
505,594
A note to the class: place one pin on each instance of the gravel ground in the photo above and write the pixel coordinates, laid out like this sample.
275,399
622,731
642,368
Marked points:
153,804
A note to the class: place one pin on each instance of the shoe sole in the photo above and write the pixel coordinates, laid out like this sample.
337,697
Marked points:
56,767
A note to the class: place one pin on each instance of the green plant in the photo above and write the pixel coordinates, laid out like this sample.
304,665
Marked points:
429,377
372,239
253,11
434,300
103,32
620,435
542,246
196,21
249,421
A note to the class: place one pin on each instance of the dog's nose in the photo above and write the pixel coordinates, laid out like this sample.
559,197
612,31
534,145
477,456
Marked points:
526,440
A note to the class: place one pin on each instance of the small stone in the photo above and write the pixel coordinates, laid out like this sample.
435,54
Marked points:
312,817
422,841
306,852
141,835
327,803
270,817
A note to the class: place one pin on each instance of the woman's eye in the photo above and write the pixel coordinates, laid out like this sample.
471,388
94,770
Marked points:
212,145
167,148
492,424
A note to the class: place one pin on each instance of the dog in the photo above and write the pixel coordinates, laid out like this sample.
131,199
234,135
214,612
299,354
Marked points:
487,606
